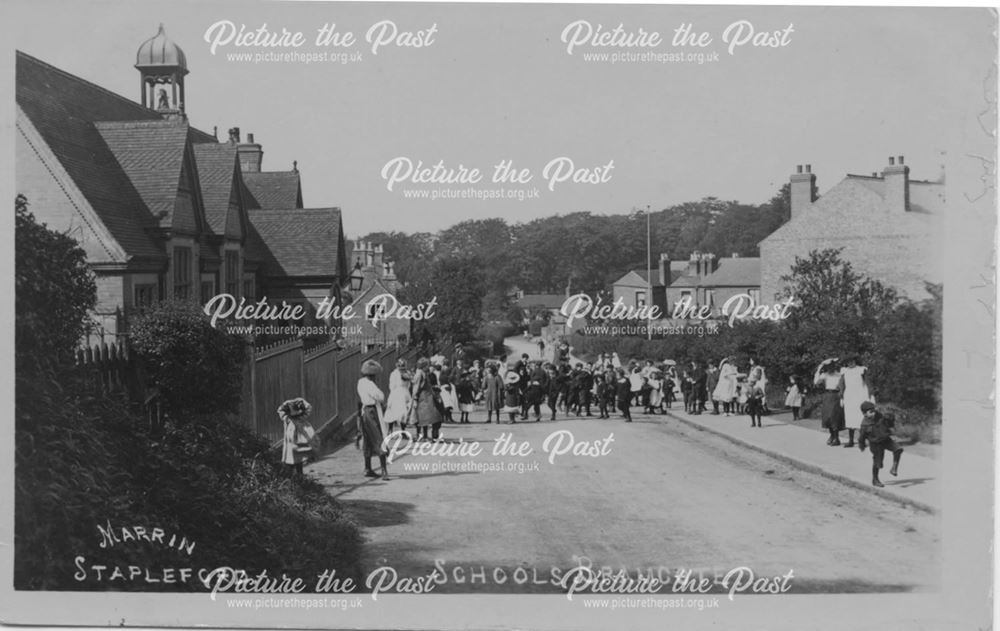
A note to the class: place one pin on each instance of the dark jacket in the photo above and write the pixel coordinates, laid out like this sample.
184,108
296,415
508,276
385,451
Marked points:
876,430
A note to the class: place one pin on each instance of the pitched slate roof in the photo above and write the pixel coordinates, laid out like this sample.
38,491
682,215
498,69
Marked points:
735,272
273,189
300,241
856,208
151,153
63,109
216,169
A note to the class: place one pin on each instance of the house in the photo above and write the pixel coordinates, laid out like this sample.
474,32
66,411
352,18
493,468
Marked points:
378,284
162,209
888,225
710,281
633,288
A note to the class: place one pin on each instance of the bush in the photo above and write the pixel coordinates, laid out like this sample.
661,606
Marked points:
198,368
496,333
85,463
53,290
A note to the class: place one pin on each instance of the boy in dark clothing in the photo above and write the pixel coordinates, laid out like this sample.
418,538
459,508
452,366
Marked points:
585,383
624,392
876,429
603,387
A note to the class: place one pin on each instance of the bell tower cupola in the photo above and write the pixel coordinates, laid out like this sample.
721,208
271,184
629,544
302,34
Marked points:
162,66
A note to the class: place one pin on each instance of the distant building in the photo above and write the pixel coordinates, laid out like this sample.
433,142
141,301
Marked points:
710,281
889,226
702,278
379,280
162,209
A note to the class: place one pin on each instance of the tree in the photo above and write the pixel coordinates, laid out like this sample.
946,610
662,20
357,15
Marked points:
826,287
454,283
198,368
54,290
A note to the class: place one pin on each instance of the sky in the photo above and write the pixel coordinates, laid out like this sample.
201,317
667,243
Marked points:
843,89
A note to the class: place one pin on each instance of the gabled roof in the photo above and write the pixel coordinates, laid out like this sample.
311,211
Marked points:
216,170
549,301
273,189
856,208
299,241
735,272
371,288
151,153
641,274
63,109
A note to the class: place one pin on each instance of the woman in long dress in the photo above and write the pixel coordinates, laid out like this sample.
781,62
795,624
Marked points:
370,419
399,397
725,389
828,379
425,410
855,392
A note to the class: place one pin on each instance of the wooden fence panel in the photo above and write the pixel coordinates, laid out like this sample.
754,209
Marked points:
277,377
319,373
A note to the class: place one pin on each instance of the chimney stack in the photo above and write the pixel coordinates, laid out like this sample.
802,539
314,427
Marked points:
250,154
664,267
897,185
803,188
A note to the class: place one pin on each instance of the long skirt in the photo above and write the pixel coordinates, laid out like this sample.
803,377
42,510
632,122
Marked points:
371,432
833,413
399,403
425,412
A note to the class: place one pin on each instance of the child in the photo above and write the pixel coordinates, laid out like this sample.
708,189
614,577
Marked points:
466,396
624,393
742,396
299,438
755,403
794,398
602,396
512,396
656,392
876,429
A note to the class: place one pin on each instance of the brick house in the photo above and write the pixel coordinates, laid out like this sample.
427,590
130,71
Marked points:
710,281
888,225
161,208
632,288
378,279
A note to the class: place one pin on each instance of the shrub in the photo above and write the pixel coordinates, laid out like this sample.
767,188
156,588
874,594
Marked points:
53,290
198,368
91,462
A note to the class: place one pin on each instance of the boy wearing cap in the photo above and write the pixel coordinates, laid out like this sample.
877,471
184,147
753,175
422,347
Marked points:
876,429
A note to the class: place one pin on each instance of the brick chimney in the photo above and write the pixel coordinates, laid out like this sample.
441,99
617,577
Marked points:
377,258
803,189
664,267
897,185
250,154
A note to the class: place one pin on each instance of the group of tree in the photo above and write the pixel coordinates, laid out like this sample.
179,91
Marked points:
472,266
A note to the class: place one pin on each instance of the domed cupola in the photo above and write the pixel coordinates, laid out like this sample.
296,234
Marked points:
161,62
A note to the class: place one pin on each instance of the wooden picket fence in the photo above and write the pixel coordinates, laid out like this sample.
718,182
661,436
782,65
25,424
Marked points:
114,371
326,376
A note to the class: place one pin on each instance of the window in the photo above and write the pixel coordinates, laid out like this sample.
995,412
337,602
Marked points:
640,299
232,273
373,309
145,295
755,296
182,273
710,297
248,289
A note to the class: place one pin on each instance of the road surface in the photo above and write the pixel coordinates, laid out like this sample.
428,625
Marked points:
658,496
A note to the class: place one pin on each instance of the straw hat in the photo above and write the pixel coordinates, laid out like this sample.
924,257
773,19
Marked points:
371,367
512,377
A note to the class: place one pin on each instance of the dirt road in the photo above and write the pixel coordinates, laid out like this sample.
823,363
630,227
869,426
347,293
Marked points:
652,495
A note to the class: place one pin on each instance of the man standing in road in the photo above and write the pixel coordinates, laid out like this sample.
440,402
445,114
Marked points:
876,429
